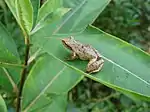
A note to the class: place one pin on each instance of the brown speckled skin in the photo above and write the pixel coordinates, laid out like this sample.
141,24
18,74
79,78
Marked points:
84,52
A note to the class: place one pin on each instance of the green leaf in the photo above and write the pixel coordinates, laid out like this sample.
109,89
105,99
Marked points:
4,82
11,5
8,50
36,6
81,15
126,68
51,102
3,6
9,78
9,61
48,77
25,14
73,15
3,107
48,7
51,17
83,12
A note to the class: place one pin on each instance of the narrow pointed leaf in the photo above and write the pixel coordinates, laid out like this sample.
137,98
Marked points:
36,6
25,14
83,12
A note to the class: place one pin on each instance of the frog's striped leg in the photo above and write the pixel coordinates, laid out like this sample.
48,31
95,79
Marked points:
95,66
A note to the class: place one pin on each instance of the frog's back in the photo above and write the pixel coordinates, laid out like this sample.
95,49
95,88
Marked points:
85,52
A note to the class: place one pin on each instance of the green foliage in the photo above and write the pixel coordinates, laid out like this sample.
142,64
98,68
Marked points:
128,20
48,7
7,47
35,6
50,77
42,84
3,107
24,15
123,73
50,18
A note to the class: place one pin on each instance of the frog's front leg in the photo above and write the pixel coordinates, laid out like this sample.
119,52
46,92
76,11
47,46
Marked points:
73,56
94,65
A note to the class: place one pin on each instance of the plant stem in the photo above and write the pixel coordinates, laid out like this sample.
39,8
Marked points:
23,74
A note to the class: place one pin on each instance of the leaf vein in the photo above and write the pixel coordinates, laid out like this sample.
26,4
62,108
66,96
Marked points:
42,92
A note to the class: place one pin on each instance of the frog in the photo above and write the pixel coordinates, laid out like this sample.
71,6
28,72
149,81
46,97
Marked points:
84,52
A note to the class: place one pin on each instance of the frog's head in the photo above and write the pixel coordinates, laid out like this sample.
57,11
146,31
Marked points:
68,42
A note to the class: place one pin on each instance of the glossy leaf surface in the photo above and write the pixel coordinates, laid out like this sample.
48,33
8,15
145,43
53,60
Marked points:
48,77
126,68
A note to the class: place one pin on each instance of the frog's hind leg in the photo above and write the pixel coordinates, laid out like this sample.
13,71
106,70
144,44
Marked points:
90,65
72,57
95,66
98,69
91,61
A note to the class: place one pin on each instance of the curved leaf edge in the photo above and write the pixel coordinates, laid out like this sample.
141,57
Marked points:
38,61
109,35
22,21
11,9
123,90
